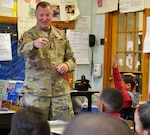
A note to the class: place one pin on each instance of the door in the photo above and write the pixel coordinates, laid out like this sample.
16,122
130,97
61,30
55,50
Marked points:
124,35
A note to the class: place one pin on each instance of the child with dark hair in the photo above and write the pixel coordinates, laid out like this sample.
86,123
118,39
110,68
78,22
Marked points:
30,120
129,79
110,102
126,84
95,124
142,119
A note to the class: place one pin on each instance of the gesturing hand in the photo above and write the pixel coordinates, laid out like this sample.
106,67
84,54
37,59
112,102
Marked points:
40,42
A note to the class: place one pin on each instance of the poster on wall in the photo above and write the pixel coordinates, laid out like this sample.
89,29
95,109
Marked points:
146,48
126,6
104,6
147,3
64,10
79,43
8,8
5,47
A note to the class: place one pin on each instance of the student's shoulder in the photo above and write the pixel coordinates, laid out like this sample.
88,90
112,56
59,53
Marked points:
126,125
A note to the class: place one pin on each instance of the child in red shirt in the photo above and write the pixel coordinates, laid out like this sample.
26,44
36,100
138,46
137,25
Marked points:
126,85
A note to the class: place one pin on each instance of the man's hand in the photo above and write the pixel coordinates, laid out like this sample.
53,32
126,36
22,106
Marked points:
40,42
62,68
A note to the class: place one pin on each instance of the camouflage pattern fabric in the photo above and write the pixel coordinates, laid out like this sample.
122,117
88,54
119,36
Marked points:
41,77
33,100
54,108
62,108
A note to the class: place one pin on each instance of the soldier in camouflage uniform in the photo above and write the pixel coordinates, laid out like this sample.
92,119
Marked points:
48,56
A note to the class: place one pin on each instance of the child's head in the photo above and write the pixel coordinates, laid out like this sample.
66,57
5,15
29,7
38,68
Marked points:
129,82
142,119
93,124
110,100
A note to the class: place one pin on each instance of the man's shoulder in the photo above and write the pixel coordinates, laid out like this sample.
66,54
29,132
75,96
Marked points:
30,30
127,126
58,31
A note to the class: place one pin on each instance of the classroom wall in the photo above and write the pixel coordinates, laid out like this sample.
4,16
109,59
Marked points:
88,8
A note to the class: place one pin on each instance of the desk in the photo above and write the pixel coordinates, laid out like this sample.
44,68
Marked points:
5,121
57,126
87,94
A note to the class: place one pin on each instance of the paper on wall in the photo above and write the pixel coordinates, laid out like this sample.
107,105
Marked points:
146,48
79,43
126,6
5,47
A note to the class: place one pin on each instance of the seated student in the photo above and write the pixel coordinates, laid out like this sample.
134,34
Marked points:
126,85
95,124
110,102
29,121
142,119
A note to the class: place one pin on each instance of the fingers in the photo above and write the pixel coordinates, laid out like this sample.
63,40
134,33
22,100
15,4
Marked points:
40,42
62,68
45,40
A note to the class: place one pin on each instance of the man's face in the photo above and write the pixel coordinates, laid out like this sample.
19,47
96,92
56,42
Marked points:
44,17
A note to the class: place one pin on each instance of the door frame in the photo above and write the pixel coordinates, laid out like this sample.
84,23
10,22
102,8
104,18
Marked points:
109,49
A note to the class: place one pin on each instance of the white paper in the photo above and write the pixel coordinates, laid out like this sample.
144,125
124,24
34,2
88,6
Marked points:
57,126
7,112
5,47
146,48
79,42
57,130
120,62
83,23
137,64
104,6
8,8
7,3
129,60
147,3
126,6
129,45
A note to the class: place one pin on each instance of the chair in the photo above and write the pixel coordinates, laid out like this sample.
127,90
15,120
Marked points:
128,114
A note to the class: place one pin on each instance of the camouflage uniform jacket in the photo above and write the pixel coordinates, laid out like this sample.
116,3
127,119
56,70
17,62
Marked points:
41,77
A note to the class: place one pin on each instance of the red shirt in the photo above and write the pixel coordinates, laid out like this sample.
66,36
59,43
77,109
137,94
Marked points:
115,115
118,82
